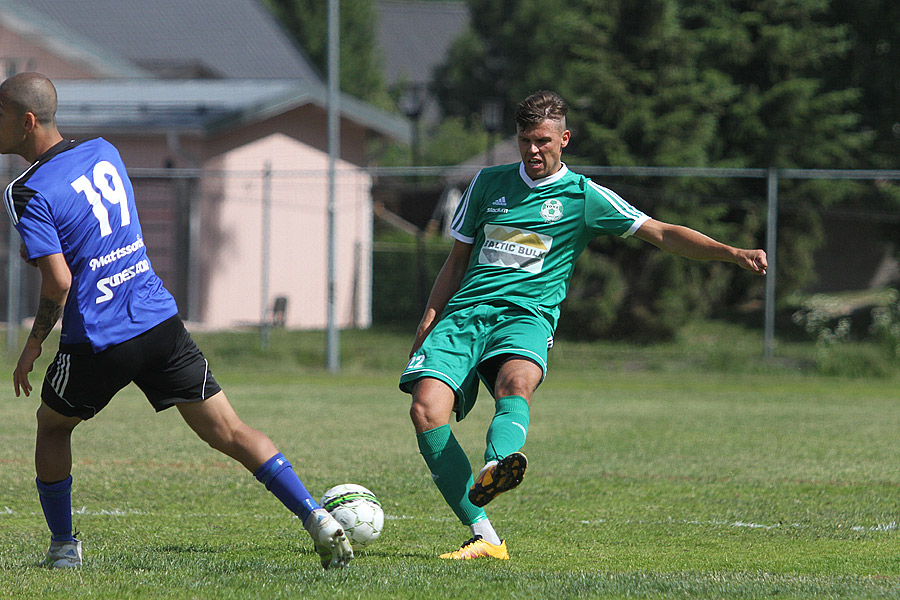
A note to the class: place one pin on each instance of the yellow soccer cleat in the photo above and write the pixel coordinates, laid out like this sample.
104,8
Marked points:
497,477
478,548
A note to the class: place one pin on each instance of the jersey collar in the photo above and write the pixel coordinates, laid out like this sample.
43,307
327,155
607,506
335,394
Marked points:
533,183
55,149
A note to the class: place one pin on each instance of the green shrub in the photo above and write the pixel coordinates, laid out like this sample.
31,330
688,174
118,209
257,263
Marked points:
853,359
885,327
845,349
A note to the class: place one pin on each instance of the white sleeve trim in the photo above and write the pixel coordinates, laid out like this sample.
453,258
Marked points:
635,226
462,238
463,207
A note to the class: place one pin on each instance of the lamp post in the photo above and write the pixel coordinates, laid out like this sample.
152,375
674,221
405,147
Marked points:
492,118
412,104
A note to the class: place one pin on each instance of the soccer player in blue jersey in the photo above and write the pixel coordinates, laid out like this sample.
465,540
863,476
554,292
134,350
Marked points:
494,306
74,208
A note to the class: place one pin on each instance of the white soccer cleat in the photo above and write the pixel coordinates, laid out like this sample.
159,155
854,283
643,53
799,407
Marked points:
329,539
63,555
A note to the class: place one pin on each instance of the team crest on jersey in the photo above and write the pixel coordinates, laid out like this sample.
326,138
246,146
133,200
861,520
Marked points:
552,211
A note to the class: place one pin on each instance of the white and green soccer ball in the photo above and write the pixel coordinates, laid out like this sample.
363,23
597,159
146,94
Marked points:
357,510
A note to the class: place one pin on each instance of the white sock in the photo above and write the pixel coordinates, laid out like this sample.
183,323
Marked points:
486,531
486,466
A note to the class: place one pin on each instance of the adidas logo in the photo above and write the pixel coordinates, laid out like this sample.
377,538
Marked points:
501,201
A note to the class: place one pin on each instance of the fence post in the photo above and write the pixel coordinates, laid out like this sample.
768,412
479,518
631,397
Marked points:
195,208
13,294
14,273
332,334
771,247
422,289
266,234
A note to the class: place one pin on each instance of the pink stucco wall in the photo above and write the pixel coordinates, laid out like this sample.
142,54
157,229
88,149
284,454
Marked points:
232,241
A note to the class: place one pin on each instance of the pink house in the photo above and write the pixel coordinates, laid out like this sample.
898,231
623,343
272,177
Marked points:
229,160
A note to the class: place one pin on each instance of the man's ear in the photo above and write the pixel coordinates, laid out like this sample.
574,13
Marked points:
30,121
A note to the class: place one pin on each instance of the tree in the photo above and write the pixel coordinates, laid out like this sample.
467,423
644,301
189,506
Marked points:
873,66
511,50
306,21
678,83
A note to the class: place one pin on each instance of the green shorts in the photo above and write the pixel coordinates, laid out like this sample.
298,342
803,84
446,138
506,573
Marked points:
472,343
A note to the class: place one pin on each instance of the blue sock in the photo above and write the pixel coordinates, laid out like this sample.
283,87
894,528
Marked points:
279,478
56,501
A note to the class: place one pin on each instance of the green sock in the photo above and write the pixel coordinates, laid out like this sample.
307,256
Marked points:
508,429
451,471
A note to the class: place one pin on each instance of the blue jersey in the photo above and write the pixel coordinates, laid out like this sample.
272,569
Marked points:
77,199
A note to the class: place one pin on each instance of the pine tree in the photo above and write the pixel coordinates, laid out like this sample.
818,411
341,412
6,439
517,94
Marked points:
306,21
679,83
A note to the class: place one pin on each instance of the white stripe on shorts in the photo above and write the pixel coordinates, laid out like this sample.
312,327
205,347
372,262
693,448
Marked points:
61,377
205,377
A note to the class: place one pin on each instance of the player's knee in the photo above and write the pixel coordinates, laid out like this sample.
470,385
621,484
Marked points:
50,422
515,385
432,404
425,416
221,437
418,413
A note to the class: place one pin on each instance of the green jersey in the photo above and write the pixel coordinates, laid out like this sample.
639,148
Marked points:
527,235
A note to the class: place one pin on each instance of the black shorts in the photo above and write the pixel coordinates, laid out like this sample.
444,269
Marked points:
164,362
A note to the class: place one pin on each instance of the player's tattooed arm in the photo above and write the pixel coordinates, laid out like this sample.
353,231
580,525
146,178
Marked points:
48,313
56,280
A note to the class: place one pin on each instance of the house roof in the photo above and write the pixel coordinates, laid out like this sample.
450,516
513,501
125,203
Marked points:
416,36
200,106
169,38
64,42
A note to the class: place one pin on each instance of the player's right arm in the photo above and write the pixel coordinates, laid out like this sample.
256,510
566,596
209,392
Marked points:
56,279
445,285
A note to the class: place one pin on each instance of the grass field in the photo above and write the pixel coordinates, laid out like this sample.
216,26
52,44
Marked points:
692,470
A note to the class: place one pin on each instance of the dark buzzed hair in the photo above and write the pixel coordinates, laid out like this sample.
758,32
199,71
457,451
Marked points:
34,93
539,107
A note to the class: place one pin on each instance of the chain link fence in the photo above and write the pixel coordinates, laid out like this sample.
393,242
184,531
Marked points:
387,278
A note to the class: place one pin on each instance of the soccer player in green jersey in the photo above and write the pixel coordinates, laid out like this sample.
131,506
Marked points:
495,303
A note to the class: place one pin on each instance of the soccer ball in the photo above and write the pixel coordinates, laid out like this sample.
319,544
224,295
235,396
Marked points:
357,510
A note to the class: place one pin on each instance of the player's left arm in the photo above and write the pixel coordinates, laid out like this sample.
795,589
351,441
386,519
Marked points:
56,280
692,244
